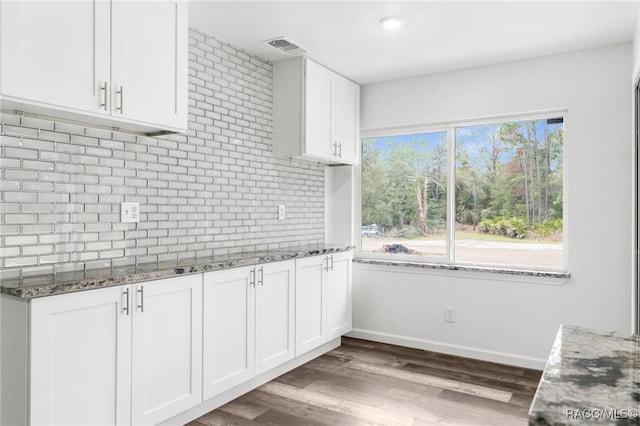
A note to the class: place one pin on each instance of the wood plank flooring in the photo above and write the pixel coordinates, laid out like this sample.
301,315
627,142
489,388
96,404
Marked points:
368,383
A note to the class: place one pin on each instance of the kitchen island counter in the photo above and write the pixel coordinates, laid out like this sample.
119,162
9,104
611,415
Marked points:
591,377
66,282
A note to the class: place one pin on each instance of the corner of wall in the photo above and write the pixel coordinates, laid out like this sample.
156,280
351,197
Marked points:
339,202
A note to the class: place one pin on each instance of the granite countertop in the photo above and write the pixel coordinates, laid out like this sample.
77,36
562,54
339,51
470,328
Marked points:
591,377
467,268
51,284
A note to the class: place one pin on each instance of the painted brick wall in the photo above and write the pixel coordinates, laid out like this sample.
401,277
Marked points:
213,190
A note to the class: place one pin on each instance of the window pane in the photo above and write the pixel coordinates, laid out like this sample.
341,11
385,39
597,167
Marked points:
404,200
508,198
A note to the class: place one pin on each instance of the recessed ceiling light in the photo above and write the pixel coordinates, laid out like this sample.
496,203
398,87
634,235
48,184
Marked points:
391,22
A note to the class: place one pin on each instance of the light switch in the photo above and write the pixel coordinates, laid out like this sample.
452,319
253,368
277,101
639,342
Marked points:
130,212
281,215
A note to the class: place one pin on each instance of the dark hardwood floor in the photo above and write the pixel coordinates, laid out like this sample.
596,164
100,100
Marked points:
368,383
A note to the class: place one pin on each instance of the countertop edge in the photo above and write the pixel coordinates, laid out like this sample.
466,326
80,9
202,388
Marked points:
591,376
101,278
464,268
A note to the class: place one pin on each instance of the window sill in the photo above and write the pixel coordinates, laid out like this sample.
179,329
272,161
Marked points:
482,269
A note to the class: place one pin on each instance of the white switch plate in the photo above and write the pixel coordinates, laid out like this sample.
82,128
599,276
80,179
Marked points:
129,212
281,214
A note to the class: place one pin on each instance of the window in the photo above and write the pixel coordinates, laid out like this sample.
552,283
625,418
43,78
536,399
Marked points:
488,194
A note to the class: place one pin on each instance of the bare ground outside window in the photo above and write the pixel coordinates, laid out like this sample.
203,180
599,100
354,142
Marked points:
535,254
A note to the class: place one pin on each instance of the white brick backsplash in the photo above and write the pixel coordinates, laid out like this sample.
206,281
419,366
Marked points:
212,190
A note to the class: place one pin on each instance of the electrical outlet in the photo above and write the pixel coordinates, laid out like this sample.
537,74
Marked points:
281,215
130,212
450,314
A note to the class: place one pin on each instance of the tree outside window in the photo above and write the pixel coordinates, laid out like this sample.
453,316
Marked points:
507,194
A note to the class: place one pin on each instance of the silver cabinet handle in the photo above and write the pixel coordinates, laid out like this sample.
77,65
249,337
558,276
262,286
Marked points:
252,277
331,262
141,303
326,259
261,276
120,94
125,309
103,96
334,151
340,152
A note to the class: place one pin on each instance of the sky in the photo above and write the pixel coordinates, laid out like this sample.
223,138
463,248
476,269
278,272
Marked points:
473,138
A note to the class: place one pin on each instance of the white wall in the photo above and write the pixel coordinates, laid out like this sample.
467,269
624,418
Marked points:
636,49
635,300
511,320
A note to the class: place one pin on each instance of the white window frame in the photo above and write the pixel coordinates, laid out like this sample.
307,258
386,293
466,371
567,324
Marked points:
449,128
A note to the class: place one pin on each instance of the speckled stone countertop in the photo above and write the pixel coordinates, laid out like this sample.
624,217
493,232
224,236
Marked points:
591,377
50,284
467,268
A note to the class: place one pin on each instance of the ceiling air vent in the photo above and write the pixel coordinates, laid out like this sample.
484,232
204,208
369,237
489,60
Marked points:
286,46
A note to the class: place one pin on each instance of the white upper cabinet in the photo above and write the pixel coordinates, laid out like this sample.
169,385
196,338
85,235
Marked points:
316,113
346,118
149,61
117,64
55,53
318,135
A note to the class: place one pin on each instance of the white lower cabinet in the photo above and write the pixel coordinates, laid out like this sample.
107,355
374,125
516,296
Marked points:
311,303
80,359
248,323
275,314
339,292
166,348
117,356
229,329
323,299
144,353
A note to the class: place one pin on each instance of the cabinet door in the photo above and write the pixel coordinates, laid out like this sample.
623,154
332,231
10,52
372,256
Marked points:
275,310
167,348
149,61
339,295
56,53
318,101
81,358
311,307
229,329
346,117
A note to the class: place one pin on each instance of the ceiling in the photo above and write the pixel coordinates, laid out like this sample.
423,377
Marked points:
436,36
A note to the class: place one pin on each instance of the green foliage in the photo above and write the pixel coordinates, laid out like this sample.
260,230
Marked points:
514,227
376,205
508,181
392,174
549,227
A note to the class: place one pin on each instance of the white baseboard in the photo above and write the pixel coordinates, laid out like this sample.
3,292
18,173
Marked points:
447,348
